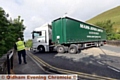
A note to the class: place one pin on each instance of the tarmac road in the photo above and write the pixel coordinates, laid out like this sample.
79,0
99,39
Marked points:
111,48
30,68
88,64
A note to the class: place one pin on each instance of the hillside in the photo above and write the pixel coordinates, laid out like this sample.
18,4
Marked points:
112,14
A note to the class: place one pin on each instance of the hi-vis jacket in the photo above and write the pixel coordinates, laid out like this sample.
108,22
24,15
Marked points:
20,45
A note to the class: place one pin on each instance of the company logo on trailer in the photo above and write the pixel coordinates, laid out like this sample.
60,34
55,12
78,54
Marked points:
90,28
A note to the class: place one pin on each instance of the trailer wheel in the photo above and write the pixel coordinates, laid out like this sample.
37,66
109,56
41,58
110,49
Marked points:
60,49
101,44
72,49
97,44
41,49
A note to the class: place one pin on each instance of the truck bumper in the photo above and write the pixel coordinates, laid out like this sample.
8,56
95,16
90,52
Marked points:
34,49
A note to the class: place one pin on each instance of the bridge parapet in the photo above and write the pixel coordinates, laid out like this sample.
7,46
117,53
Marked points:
114,42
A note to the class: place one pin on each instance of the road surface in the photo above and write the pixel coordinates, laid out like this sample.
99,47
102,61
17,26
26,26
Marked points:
98,61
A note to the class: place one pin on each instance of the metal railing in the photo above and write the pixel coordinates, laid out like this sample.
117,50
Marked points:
6,62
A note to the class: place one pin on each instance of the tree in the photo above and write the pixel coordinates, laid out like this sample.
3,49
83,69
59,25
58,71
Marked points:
3,27
19,27
10,30
108,26
28,43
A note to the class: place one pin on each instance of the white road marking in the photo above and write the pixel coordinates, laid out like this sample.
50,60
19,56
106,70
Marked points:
113,68
100,63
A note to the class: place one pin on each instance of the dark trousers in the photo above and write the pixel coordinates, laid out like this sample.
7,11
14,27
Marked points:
23,54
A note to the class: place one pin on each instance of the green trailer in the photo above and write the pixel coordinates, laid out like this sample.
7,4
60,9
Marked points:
75,34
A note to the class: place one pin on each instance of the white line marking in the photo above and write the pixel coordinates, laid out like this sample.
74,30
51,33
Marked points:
113,68
100,63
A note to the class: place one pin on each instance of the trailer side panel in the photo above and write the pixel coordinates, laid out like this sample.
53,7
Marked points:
69,30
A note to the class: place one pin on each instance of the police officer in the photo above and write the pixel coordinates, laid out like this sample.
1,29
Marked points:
21,50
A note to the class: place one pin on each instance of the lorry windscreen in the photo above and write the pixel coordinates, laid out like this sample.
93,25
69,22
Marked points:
38,34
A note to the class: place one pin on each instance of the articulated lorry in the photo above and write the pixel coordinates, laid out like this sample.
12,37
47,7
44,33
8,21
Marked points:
67,35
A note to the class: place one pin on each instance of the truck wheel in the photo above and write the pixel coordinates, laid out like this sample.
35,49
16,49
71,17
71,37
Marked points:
41,49
60,49
72,49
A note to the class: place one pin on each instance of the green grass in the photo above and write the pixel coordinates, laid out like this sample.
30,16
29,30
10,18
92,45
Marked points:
112,14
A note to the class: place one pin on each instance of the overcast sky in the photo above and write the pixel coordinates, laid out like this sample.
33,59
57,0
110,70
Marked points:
37,12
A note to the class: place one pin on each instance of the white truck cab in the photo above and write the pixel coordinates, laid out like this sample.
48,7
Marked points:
41,38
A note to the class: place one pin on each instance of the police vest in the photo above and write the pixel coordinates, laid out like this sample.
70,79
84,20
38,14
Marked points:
20,45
